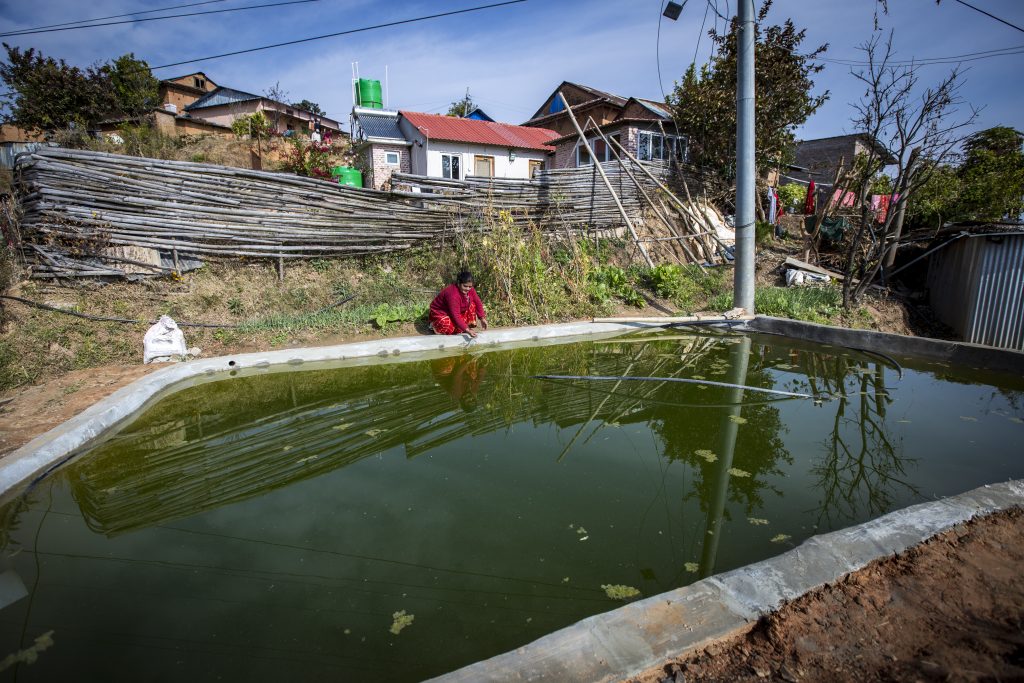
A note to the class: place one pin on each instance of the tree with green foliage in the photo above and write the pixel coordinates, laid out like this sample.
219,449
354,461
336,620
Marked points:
704,103
462,107
936,200
46,94
312,107
992,175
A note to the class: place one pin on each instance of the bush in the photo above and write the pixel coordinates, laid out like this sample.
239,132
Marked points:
685,286
792,196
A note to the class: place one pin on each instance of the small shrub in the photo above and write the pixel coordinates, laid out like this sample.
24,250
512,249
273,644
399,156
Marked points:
235,306
606,282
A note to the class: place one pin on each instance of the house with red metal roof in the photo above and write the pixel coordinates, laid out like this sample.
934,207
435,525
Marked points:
452,147
645,128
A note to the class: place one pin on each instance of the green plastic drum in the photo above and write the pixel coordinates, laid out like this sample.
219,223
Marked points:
370,94
347,175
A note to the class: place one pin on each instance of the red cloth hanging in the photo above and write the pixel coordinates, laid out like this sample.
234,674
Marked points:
809,203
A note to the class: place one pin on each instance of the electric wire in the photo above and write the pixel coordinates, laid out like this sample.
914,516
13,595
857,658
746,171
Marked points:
342,33
988,14
924,61
113,16
169,16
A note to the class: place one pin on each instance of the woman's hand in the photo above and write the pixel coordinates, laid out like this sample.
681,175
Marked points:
483,323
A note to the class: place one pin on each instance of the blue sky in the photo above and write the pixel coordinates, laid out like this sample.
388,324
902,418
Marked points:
512,57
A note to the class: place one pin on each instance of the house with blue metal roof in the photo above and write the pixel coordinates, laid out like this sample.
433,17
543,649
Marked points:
224,105
643,127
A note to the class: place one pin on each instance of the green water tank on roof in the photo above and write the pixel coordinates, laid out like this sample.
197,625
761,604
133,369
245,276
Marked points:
369,93
347,175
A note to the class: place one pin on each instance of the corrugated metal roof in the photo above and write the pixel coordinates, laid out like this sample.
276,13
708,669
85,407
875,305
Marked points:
222,96
376,126
659,108
437,127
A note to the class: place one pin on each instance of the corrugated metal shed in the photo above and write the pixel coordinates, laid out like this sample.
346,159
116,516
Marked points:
976,286
10,150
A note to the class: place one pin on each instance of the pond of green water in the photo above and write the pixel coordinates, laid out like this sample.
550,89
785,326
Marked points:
392,522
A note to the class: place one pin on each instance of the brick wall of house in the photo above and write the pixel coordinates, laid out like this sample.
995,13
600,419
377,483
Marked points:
380,171
822,157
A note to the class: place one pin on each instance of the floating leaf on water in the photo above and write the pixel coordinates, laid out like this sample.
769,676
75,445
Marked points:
348,631
287,448
699,377
343,426
780,538
968,418
1016,419
401,620
701,386
736,472
583,538
706,454
529,619
691,567
757,521
565,580
619,592
738,420
372,433
305,460
581,531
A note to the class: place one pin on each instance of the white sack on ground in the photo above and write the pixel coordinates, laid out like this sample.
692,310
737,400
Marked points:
163,341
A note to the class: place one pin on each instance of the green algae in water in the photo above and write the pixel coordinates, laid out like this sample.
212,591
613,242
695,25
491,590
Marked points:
401,621
619,591
268,525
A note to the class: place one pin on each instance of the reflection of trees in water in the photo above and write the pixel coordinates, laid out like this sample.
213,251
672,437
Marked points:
862,470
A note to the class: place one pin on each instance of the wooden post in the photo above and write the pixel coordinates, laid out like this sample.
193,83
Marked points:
607,183
177,267
280,268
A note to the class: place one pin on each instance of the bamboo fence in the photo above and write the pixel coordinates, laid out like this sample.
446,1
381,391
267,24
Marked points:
93,214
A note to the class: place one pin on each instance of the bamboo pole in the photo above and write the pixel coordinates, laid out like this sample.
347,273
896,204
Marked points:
597,165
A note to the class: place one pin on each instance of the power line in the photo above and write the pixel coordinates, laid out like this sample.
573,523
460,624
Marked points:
948,59
169,16
113,16
341,33
987,14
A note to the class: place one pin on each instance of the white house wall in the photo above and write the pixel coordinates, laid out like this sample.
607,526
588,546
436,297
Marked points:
426,155
503,167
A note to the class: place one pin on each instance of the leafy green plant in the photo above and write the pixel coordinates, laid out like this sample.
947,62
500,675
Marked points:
792,196
606,282
385,314
235,306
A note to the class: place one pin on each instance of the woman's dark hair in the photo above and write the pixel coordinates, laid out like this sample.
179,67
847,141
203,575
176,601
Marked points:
463,277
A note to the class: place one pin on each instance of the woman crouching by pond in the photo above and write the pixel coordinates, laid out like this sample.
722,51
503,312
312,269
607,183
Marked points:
457,308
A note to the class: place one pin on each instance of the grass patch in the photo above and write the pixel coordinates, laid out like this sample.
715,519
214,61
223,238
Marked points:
812,304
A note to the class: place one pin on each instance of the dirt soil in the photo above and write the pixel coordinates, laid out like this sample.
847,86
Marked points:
949,609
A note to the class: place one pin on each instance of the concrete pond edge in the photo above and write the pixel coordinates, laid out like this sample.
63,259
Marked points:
645,634
55,447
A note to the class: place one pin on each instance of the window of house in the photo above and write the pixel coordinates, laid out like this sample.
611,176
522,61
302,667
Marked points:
601,152
391,158
450,166
198,82
657,147
535,165
483,166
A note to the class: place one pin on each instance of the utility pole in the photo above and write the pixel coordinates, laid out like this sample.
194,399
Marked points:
743,282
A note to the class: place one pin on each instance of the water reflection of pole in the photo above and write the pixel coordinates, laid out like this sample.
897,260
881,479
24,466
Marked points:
739,355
